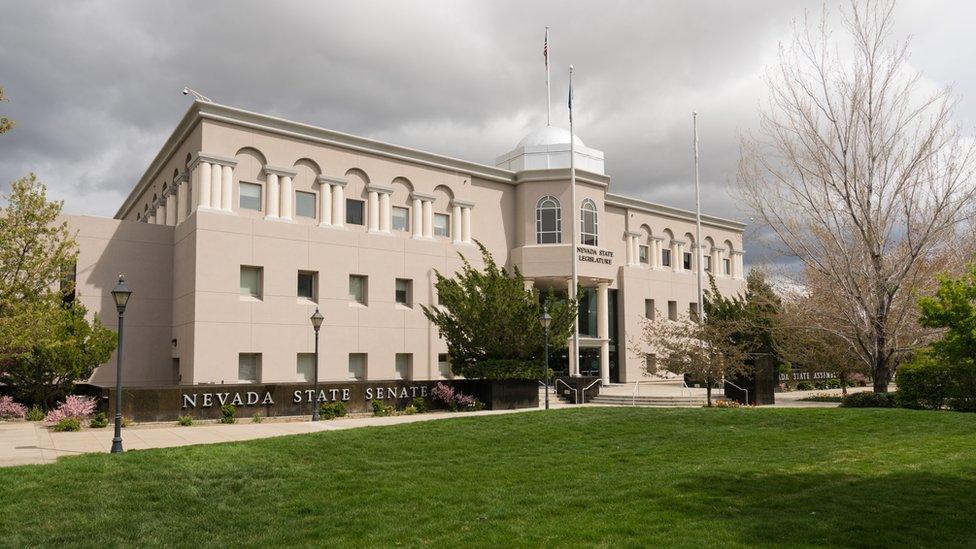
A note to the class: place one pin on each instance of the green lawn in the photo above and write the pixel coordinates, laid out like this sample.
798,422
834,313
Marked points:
606,477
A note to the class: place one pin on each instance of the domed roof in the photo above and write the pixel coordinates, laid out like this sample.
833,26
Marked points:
548,135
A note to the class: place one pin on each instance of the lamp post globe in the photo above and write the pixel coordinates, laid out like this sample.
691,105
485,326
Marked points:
316,320
546,321
120,294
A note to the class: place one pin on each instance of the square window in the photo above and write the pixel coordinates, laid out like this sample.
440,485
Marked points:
250,198
306,366
650,363
358,288
403,363
444,365
708,263
404,289
401,219
649,309
307,285
305,204
644,253
687,261
251,281
726,267
442,225
248,367
693,311
357,366
354,211
665,258
672,310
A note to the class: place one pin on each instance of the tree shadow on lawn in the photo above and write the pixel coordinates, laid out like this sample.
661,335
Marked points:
897,509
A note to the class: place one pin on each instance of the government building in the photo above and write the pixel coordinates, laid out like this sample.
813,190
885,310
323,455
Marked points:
243,224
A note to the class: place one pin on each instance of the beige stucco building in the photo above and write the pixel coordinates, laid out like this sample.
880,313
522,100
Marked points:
243,224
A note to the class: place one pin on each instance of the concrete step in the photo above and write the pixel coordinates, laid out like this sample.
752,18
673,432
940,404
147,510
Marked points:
620,400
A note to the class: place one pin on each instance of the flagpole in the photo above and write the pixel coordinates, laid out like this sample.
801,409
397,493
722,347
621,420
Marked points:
574,362
548,94
698,242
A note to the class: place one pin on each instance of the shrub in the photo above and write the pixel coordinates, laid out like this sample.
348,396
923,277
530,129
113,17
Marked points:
99,421
923,382
823,398
804,386
10,409
227,413
332,410
35,413
184,421
443,394
75,406
380,410
869,400
832,384
727,404
67,424
256,418
410,410
419,404
126,422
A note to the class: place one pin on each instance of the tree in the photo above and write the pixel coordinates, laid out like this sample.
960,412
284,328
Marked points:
952,310
860,174
5,123
491,322
48,346
36,249
754,315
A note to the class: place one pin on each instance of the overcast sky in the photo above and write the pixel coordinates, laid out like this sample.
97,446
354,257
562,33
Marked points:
95,86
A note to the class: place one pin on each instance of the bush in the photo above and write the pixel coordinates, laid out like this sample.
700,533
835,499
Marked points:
67,424
455,400
923,382
381,410
126,422
727,404
184,421
256,418
419,404
99,421
409,410
332,410
507,368
869,400
75,406
443,394
227,413
35,414
10,409
823,398
804,386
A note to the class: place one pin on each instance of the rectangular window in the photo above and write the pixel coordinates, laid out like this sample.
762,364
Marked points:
726,267
687,261
644,253
251,281
357,366
401,219
708,263
693,311
649,309
403,363
250,198
307,285
358,289
354,211
248,367
404,291
444,365
306,366
650,363
665,258
672,310
442,225
305,204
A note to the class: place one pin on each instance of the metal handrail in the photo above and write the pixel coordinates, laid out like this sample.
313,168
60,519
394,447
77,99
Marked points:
583,392
684,387
570,387
637,389
739,388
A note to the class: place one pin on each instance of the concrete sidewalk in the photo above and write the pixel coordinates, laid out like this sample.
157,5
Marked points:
23,443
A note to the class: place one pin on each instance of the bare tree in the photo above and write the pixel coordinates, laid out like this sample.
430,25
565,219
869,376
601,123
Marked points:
861,174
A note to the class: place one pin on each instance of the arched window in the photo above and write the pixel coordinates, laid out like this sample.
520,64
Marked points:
588,224
548,221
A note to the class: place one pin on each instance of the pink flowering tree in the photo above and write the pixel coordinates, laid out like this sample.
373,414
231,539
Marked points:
10,409
74,406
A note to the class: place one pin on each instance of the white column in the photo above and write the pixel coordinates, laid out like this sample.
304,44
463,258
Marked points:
717,262
325,204
287,198
602,330
428,219
373,211
466,225
273,196
216,178
630,250
338,206
203,184
678,256
417,219
161,212
573,352
181,202
385,212
151,217
227,188
635,242
456,224
171,207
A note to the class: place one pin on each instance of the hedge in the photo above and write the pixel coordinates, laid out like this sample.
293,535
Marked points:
927,383
869,400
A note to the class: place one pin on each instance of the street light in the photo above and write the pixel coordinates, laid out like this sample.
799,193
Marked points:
120,293
546,320
316,319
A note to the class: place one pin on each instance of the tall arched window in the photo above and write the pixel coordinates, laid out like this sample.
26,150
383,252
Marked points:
548,221
588,224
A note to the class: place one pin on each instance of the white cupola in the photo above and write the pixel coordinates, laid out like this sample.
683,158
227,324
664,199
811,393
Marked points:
548,148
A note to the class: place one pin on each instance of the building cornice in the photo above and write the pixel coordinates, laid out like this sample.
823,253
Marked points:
279,171
199,157
462,203
422,196
672,212
561,174
382,189
332,180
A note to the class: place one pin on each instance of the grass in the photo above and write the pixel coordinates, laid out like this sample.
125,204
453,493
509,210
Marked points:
592,477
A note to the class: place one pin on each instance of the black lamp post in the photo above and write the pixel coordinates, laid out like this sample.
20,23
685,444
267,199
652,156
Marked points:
546,320
316,319
120,293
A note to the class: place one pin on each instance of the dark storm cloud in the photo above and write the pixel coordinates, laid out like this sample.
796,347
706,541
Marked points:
94,86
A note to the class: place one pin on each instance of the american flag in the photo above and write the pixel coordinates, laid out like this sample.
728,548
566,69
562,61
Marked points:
545,48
